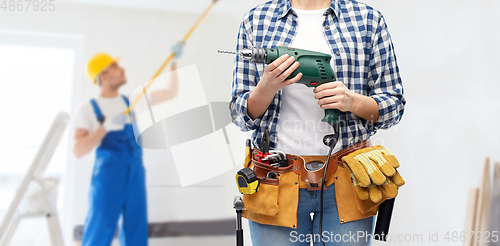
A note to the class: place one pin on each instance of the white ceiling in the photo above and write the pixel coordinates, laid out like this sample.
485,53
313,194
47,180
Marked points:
188,6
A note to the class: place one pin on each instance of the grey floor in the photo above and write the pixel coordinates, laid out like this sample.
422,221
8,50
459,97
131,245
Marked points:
33,231
184,241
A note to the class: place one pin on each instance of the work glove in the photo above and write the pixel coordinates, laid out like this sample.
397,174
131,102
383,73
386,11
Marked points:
177,49
115,123
373,171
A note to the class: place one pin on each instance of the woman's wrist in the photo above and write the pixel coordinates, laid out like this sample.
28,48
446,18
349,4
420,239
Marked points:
259,100
355,104
264,92
364,107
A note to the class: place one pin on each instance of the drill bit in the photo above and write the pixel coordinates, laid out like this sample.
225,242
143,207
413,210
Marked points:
255,55
228,52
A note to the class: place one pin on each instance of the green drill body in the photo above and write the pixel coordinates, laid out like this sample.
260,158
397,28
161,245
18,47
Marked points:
315,68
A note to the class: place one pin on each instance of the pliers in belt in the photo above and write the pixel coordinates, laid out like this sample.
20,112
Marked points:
264,147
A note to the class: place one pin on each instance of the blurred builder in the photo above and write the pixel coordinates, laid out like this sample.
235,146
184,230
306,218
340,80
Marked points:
118,178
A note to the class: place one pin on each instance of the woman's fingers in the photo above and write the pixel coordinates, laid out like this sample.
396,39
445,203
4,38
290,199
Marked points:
329,100
273,65
329,92
282,77
292,80
329,85
283,67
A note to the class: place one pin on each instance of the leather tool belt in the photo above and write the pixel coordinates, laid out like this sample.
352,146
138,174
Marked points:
309,168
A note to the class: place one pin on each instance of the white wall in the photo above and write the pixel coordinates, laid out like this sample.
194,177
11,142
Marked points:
447,52
448,55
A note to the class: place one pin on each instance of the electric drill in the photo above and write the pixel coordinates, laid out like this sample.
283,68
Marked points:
314,66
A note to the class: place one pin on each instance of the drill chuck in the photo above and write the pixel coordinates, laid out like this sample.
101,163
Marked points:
254,54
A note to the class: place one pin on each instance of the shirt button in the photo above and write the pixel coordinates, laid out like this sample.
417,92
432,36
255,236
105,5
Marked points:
327,27
338,53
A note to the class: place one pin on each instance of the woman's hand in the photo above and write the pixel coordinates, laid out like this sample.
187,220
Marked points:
334,95
273,80
275,74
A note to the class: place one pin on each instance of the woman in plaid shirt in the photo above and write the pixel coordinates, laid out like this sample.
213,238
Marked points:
369,93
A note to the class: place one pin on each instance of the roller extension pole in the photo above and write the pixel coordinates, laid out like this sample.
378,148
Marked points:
169,59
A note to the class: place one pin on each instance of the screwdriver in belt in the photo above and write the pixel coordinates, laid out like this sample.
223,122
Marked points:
248,152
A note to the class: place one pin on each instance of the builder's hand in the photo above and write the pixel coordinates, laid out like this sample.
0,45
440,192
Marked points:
275,74
334,95
115,123
373,171
177,49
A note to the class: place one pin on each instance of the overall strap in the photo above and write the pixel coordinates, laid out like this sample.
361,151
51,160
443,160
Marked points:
97,110
126,100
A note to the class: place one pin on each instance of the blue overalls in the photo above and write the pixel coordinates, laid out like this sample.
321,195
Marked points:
117,188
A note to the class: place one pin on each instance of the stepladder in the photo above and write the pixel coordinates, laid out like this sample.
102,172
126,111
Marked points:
37,194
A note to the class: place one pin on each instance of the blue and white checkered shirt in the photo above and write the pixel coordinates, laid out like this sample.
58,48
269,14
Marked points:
364,56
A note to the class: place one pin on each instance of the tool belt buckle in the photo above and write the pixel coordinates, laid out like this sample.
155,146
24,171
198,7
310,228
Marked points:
311,172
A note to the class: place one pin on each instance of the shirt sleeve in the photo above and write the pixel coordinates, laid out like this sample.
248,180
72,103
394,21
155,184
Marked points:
82,118
385,85
244,81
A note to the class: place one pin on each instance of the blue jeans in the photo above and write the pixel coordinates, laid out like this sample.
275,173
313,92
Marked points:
357,233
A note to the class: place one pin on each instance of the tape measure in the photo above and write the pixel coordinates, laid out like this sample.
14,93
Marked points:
247,181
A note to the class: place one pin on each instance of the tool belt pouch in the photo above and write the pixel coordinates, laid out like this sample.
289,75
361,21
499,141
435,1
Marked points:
265,200
374,175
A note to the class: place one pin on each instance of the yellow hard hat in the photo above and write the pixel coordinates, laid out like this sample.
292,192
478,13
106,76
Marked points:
98,63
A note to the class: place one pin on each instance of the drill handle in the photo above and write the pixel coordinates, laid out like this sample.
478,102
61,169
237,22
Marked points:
331,116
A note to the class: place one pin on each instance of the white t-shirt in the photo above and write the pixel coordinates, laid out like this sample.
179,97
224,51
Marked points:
111,108
300,129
